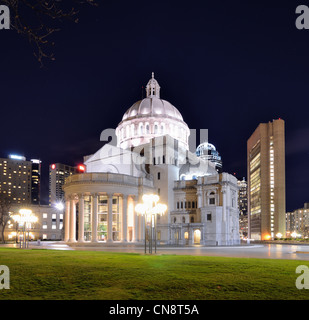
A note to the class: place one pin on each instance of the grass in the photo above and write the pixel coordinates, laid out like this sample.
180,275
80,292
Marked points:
58,275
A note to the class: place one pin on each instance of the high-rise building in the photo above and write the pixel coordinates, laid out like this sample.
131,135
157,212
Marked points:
20,179
243,207
242,196
266,180
15,179
58,172
35,181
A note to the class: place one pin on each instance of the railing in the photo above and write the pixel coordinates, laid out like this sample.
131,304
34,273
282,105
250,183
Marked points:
108,177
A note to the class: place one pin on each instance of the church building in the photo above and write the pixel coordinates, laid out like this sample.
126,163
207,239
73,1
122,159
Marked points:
151,155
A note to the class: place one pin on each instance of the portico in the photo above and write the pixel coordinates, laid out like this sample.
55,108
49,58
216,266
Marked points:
100,208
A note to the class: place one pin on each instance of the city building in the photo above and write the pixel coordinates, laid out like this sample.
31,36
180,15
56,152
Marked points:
266,180
243,207
49,225
242,196
35,181
15,179
58,172
20,179
207,151
151,156
297,222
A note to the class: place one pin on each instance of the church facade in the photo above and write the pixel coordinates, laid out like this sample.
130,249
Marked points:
151,156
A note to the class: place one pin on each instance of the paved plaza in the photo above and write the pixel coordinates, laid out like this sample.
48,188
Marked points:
264,251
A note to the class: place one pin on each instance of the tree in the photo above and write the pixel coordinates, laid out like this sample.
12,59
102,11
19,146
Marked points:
5,214
37,20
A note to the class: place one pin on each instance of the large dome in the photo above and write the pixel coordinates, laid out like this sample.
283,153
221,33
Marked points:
151,117
152,107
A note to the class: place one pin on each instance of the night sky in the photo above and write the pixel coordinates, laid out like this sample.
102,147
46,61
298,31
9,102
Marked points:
226,65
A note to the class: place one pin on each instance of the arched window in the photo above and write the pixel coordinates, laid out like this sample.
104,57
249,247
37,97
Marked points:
147,128
140,129
212,198
192,219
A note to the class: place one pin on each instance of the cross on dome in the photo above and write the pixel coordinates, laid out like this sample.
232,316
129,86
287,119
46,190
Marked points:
153,88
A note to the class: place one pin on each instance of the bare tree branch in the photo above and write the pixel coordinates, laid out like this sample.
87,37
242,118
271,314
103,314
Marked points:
37,20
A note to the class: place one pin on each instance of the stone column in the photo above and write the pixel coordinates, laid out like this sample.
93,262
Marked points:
223,204
110,219
94,220
81,218
199,197
67,220
72,221
135,223
124,218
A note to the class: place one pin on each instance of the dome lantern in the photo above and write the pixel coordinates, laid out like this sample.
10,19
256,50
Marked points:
153,88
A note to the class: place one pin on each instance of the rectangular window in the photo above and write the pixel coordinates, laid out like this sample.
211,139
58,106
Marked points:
208,216
159,175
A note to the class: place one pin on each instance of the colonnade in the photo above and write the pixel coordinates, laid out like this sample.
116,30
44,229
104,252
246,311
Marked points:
71,201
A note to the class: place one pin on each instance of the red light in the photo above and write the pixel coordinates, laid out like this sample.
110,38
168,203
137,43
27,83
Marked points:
53,166
81,168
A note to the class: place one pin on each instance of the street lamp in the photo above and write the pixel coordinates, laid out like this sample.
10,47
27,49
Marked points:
24,219
59,206
151,208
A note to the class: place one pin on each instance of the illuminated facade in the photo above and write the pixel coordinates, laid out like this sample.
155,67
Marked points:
151,156
242,197
243,207
297,222
15,179
266,180
207,151
49,225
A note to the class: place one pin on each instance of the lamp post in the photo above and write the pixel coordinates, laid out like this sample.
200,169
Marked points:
24,219
151,208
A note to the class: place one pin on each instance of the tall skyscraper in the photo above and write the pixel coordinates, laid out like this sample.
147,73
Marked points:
242,197
58,172
243,207
266,180
35,181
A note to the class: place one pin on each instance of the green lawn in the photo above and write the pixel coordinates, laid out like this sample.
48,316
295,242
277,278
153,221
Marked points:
52,274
